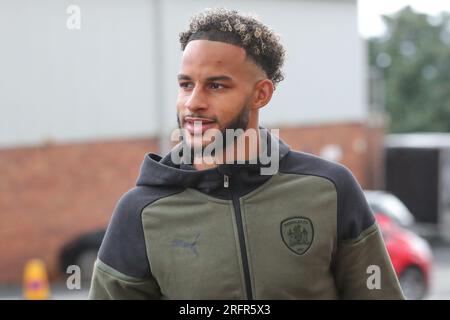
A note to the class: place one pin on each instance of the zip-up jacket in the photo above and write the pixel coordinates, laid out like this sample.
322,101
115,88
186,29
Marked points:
304,232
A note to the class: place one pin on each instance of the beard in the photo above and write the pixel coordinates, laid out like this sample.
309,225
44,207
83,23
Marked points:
238,122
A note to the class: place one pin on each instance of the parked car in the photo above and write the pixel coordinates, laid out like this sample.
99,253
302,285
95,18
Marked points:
391,206
82,251
410,254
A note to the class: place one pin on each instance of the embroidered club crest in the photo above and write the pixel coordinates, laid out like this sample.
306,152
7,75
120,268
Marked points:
297,234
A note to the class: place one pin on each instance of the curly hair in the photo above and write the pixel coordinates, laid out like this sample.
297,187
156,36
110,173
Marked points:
259,42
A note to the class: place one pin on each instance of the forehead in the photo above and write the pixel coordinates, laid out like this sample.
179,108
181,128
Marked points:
202,57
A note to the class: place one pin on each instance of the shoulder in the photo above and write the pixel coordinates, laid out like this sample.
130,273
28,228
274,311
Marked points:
353,212
135,199
308,164
127,212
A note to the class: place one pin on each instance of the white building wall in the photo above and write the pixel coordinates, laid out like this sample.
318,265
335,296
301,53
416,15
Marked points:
116,77
71,85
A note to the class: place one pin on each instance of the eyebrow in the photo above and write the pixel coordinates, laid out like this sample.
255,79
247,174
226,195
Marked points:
209,79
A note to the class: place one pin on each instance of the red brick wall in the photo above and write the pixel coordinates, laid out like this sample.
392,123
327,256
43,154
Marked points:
361,146
375,156
50,194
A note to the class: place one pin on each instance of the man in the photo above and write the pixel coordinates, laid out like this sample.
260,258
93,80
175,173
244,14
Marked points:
211,225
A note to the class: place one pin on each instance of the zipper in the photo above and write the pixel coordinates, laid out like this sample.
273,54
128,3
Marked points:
240,229
226,181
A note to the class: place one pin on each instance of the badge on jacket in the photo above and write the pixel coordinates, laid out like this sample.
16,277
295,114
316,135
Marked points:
297,234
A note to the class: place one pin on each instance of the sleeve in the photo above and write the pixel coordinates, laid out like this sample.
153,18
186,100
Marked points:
122,269
362,267
110,284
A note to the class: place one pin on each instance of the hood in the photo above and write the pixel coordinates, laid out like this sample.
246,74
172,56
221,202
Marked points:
161,171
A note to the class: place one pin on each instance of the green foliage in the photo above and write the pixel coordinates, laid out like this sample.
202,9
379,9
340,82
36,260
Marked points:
414,60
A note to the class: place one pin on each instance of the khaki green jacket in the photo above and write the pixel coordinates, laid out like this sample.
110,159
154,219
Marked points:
305,232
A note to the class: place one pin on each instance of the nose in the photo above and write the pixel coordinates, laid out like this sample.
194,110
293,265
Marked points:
197,100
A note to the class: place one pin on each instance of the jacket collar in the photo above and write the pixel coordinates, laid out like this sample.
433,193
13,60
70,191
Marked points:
161,171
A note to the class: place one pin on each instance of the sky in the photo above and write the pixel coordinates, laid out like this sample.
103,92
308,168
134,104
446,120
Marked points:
370,12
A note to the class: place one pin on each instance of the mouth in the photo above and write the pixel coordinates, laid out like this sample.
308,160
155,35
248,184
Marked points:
195,125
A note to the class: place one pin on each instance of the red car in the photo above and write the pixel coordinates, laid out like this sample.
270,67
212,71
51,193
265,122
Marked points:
410,254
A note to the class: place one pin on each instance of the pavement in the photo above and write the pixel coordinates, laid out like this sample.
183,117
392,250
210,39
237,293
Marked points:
58,291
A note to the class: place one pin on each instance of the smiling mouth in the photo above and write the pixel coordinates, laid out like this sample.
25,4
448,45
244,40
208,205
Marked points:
195,124
195,119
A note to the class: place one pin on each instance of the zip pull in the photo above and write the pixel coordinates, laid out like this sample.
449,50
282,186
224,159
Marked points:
226,181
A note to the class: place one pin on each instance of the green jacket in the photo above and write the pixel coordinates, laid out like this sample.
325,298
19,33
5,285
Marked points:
229,232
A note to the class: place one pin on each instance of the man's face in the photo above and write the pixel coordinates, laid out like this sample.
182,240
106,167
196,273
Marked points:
216,83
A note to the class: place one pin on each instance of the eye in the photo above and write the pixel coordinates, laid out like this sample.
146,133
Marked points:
186,85
216,86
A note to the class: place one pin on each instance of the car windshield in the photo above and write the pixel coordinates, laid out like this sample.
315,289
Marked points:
393,207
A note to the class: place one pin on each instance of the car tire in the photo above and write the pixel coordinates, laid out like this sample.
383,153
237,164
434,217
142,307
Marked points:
85,260
413,283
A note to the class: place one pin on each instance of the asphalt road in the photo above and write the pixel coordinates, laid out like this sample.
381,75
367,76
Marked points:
440,277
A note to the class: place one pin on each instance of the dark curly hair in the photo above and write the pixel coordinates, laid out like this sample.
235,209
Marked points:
245,31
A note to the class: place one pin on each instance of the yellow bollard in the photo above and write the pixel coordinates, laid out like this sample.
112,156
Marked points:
35,281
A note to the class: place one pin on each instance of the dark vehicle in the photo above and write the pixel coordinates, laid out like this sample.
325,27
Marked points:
82,252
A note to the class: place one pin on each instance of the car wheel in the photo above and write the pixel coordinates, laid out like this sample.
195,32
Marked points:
412,281
85,261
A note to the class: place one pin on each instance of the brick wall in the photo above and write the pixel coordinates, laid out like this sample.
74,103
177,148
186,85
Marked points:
361,146
50,194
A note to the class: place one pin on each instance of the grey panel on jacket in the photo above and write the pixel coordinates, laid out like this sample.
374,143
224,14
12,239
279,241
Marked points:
354,214
123,247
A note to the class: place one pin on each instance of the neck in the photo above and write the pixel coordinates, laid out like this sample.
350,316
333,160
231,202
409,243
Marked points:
245,147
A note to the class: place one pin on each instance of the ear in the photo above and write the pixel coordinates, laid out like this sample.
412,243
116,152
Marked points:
262,94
